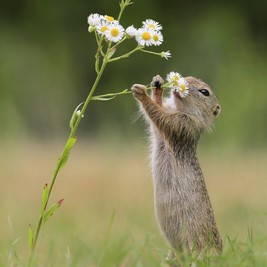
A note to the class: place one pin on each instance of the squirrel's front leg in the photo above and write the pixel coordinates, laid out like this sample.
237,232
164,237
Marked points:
166,122
161,119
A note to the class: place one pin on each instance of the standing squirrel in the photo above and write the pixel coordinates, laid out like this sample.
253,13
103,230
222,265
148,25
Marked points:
182,204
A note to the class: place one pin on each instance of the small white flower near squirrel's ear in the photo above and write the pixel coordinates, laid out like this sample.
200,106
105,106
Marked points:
152,25
131,31
166,54
173,78
114,33
183,87
178,83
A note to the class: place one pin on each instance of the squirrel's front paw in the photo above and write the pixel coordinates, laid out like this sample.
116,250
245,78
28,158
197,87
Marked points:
139,91
157,82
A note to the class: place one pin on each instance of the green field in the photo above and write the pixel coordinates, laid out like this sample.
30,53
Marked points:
107,218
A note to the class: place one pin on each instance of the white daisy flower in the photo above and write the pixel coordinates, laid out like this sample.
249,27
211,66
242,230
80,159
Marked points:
144,37
115,33
131,31
94,19
102,27
183,87
152,25
173,78
157,38
166,54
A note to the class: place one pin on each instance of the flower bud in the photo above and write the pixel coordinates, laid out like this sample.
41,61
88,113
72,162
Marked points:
91,29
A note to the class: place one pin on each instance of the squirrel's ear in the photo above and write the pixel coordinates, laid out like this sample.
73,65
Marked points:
190,79
216,110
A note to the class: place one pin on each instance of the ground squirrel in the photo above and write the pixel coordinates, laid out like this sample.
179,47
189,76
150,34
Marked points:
182,204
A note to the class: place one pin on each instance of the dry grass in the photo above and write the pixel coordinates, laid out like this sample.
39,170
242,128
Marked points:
101,178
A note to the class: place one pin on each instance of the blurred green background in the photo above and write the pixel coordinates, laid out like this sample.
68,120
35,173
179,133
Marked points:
47,66
47,69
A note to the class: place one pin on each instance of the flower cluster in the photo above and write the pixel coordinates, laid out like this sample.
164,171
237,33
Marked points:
106,26
178,83
148,35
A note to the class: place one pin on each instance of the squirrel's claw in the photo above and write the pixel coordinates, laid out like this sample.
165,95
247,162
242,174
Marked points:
157,82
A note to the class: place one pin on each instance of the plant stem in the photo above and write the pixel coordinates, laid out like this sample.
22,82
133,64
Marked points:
73,131
123,5
56,171
127,54
111,95
151,52
124,92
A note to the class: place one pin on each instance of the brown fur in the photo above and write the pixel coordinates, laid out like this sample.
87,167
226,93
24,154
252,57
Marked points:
182,204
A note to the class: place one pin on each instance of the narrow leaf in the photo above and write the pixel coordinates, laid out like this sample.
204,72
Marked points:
99,98
44,196
111,53
30,237
52,210
65,155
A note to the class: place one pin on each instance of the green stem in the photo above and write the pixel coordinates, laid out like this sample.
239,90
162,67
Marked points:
127,54
124,92
117,44
73,131
56,171
150,52
110,96
123,5
99,44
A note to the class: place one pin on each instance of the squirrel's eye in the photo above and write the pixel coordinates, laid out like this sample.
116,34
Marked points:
205,92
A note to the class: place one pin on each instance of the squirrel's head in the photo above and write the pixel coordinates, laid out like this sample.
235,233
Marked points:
201,103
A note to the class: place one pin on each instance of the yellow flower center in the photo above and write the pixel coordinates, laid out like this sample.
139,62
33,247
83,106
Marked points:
151,26
182,86
114,32
175,83
146,36
175,78
103,29
156,37
109,18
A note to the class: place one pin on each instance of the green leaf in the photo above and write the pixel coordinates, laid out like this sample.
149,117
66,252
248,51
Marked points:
52,210
44,196
30,236
65,154
111,52
99,98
